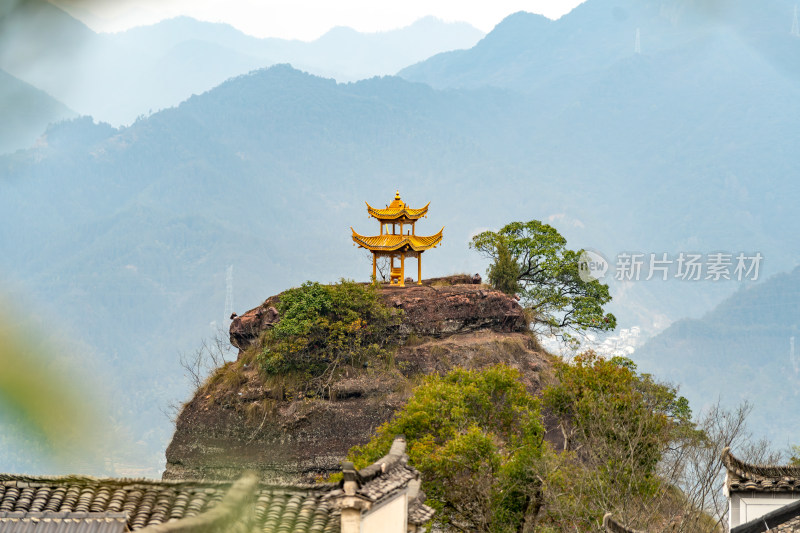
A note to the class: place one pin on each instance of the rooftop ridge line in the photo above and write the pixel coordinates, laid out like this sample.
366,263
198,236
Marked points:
75,479
743,469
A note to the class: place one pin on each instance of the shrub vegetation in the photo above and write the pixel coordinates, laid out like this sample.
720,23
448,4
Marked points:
324,328
618,425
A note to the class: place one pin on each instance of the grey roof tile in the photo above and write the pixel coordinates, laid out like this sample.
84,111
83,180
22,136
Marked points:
246,506
746,477
386,476
291,508
66,522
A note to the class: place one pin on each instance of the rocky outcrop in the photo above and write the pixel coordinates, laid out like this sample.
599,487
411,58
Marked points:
245,329
254,425
448,310
438,308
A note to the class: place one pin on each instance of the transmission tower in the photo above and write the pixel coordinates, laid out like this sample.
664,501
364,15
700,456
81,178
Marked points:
228,295
637,48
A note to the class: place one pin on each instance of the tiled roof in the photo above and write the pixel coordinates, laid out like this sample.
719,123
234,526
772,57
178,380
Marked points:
390,243
385,477
296,508
396,212
745,477
418,512
244,506
55,522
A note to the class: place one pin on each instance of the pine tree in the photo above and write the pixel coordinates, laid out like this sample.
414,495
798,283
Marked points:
504,272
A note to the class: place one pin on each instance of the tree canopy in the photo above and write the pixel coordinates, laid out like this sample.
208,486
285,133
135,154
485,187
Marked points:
617,425
476,436
629,447
548,277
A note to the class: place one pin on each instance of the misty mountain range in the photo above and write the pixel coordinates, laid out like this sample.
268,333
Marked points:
745,349
119,76
687,144
26,112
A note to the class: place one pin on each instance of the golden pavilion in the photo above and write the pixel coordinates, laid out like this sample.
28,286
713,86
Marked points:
401,242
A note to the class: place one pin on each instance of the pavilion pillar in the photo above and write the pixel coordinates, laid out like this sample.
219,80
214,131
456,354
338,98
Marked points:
419,268
402,269
374,266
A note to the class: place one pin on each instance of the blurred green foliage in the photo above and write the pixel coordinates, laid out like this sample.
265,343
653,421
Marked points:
42,403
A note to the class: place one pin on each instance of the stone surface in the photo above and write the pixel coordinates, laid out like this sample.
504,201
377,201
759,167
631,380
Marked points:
453,309
245,329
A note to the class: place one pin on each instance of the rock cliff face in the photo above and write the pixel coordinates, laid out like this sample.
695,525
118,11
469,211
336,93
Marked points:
251,426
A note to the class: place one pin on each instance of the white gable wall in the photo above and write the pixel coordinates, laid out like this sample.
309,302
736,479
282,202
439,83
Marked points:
747,506
389,517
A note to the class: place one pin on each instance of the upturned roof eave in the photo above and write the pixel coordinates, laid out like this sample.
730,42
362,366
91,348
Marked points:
390,213
412,241
747,477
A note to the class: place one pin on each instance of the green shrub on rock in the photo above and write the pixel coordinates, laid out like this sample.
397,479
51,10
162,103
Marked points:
323,328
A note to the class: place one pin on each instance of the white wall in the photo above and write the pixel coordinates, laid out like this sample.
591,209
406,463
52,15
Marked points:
389,517
748,506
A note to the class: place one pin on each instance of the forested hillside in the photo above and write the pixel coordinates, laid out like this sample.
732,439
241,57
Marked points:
744,349
118,77
26,112
527,51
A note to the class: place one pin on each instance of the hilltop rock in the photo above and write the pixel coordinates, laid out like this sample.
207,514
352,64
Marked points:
245,329
438,308
246,423
443,311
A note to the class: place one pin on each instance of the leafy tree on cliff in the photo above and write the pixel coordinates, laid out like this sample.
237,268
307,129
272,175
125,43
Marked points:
548,276
618,427
476,436
504,272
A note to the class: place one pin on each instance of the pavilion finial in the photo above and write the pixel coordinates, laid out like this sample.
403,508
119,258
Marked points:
397,195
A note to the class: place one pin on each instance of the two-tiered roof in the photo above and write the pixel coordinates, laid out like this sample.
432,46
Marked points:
399,242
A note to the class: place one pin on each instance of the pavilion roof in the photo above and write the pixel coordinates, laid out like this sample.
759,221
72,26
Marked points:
391,243
397,210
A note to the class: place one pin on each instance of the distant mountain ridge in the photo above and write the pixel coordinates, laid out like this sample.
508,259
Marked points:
525,51
118,77
26,112
741,350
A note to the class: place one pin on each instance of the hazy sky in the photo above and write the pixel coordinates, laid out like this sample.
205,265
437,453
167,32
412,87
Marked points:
305,19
